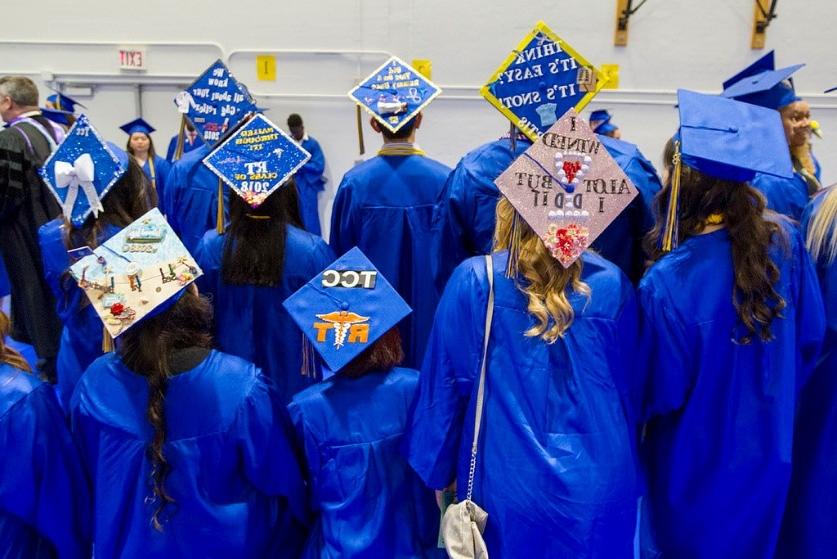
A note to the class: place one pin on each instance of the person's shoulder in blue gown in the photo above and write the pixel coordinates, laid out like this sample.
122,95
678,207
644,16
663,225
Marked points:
44,494
808,528
233,474
784,196
556,468
367,500
162,168
249,318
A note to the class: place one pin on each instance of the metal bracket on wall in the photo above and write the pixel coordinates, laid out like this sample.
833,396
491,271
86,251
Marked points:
761,21
624,10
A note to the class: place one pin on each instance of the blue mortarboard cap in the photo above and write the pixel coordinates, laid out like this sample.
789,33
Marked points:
761,84
600,122
138,273
345,308
215,102
56,116
137,125
63,102
81,171
731,140
256,159
394,93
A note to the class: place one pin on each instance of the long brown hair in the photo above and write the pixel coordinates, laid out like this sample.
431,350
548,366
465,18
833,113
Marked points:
382,355
146,349
756,301
540,277
254,244
9,355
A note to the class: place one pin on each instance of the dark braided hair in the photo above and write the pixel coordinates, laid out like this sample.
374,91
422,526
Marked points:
146,349
756,301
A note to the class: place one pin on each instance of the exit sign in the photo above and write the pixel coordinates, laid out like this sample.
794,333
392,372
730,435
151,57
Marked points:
132,58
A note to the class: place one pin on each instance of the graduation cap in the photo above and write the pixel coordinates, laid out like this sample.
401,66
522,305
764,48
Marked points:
540,80
394,93
761,84
346,308
81,171
215,102
62,102
56,116
138,273
137,125
567,188
727,140
256,159
600,122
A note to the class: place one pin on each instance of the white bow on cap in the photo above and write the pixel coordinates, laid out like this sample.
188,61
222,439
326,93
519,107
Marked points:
81,172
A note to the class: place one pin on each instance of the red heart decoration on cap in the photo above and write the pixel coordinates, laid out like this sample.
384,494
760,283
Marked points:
570,169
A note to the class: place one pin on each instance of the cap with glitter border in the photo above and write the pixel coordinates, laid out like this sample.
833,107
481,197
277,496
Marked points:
394,93
256,159
762,84
137,125
567,187
729,139
215,102
540,80
136,274
81,171
344,309
600,122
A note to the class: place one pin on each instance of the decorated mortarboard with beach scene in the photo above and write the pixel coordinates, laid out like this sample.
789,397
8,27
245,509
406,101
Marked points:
540,80
344,309
256,159
215,102
81,171
137,273
567,187
394,93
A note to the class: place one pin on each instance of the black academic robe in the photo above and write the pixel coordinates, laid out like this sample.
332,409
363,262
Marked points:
25,205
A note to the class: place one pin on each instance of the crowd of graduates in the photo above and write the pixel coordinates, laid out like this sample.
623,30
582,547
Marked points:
663,387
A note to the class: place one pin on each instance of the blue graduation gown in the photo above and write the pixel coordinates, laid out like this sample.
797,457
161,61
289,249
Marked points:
191,198
809,526
251,322
44,496
5,286
386,206
785,196
309,183
556,463
187,146
235,479
81,334
368,501
161,173
471,198
721,415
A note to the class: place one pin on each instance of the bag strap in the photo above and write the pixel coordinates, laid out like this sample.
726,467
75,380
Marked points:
489,315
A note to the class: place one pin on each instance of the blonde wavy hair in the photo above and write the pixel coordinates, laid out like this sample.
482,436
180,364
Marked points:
7,354
821,239
546,280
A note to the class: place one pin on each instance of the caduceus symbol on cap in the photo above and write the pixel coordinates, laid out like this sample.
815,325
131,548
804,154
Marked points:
79,173
342,321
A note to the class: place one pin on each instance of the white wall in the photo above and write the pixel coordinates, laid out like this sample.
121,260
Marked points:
673,43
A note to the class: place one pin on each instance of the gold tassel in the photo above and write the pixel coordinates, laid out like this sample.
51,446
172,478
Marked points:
181,138
670,233
219,223
107,341
360,145
153,173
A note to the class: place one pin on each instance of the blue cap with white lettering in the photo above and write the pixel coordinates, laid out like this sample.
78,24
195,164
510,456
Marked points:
346,308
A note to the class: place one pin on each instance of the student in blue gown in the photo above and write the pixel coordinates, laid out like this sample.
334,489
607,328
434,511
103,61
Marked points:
81,335
141,147
44,497
61,109
191,141
309,179
385,206
366,499
808,529
761,84
189,449
470,196
249,270
556,467
732,323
